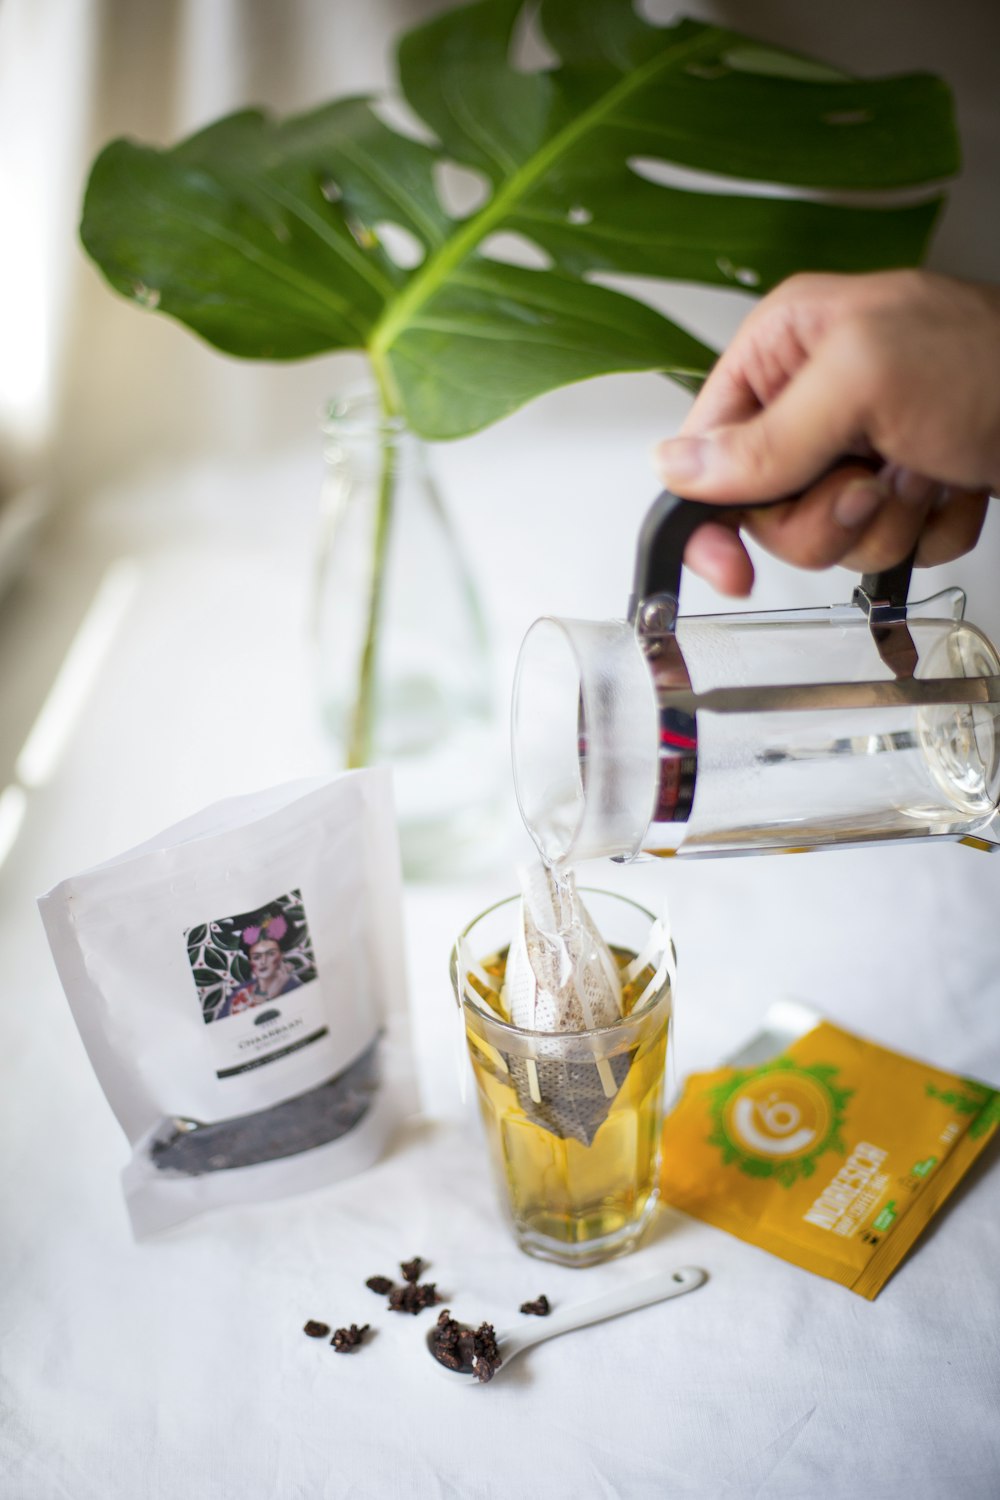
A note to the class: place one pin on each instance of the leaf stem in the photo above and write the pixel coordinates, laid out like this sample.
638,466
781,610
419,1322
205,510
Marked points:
360,739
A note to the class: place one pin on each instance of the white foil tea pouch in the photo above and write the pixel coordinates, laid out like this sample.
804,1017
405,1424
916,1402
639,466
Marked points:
238,982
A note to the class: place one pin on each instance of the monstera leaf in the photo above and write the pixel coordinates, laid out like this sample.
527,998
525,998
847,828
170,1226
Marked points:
279,239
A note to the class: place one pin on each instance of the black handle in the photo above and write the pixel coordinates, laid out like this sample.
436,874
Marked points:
671,522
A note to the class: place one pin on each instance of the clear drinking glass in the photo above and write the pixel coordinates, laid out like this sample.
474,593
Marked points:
572,1119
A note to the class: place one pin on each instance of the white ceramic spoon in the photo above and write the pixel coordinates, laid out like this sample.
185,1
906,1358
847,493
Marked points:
620,1299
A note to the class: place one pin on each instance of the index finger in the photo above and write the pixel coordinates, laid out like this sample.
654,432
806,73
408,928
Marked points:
725,397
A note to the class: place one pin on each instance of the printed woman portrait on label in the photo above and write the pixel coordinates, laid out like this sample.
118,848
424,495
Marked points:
249,960
271,974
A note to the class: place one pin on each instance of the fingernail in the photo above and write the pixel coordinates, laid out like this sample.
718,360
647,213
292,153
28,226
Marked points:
681,459
858,502
909,487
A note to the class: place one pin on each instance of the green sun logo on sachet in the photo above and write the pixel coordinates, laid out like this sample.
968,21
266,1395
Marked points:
779,1119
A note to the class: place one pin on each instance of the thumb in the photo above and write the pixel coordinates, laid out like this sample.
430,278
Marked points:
780,450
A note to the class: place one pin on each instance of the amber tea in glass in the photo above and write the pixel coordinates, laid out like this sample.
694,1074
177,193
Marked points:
572,1119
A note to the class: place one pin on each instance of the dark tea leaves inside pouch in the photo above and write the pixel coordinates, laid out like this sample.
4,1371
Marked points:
238,982
311,1119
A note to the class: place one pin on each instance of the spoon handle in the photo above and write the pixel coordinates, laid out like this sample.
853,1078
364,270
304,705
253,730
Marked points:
620,1299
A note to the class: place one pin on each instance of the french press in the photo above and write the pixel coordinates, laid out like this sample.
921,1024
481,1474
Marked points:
785,730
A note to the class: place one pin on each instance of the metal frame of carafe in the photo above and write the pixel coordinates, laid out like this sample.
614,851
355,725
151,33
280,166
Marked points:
653,611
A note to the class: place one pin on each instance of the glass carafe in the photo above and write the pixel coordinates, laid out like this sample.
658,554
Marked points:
744,733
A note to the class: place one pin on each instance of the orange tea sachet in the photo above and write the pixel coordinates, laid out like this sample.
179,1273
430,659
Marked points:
834,1153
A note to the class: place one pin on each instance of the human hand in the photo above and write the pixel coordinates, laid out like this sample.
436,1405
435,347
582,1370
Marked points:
900,369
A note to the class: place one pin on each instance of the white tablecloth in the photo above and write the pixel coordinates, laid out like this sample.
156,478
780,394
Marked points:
179,1368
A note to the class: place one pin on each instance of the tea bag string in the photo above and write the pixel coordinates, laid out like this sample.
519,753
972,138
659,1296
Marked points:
658,939
604,1072
543,893
530,1067
666,966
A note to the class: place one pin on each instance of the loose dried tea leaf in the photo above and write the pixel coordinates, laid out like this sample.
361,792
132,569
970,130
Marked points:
413,1296
540,1307
460,1348
486,1360
380,1284
346,1339
316,1330
411,1269
445,1341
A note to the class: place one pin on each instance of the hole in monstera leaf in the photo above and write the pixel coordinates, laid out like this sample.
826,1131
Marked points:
656,12
770,63
330,190
670,174
460,190
710,312
400,244
513,249
529,48
398,116
579,215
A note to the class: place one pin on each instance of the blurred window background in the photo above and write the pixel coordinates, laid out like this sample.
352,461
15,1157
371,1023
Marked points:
92,394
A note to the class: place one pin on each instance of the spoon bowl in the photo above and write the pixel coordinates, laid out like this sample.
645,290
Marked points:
610,1304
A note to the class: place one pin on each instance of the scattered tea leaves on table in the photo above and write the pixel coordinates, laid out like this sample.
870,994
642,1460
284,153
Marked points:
380,1284
540,1307
346,1339
413,1296
316,1330
411,1269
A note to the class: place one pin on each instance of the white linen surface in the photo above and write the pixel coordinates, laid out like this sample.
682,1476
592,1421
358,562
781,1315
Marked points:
179,1368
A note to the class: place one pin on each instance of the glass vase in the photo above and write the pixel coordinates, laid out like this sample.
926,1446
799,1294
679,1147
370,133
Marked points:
402,654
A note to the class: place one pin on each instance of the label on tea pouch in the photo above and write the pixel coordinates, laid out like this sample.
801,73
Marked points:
256,985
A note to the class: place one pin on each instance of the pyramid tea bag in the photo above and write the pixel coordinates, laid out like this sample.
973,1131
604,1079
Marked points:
566,1000
561,977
